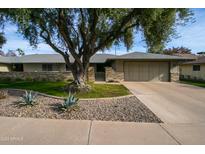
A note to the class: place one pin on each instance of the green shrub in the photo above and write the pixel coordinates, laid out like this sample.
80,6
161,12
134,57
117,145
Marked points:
18,79
6,79
44,79
29,79
69,80
58,80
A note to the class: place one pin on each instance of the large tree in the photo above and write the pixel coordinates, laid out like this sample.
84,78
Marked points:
81,33
177,50
2,40
20,52
2,37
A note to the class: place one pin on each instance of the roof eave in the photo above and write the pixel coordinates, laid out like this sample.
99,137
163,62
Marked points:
193,63
150,59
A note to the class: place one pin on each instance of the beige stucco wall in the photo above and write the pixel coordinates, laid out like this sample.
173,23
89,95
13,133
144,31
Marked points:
61,67
187,70
4,68
32,67
38,67
118,65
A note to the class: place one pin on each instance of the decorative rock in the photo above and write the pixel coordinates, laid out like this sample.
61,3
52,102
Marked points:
121,109
3,94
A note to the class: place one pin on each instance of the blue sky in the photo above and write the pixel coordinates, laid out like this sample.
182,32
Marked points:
192,36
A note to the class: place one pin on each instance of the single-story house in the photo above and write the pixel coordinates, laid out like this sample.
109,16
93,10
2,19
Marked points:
193,70
135,66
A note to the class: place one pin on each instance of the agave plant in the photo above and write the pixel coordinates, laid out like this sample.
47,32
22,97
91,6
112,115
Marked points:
69,101
29,98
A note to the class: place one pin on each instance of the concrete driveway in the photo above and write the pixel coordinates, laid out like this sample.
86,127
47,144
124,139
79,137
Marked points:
171,102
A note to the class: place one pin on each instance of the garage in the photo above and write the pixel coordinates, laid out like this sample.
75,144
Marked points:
146,71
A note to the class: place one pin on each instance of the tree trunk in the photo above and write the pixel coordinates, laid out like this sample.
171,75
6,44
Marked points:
79,72
79,75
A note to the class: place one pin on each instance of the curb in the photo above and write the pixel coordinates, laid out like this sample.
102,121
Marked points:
10,90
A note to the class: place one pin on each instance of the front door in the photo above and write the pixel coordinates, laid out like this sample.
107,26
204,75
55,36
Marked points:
100,72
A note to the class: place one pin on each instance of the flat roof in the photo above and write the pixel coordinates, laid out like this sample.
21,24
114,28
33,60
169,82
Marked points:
97,58
200,60
149,56
51,58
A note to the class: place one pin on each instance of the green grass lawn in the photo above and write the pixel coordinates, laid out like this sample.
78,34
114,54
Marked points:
105,90
55,88
195,83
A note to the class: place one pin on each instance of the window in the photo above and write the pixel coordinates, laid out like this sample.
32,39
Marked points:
17,67
196,67
47,67
67,68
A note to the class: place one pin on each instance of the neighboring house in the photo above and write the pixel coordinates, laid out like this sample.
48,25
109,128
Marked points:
194,70
136,66
194,56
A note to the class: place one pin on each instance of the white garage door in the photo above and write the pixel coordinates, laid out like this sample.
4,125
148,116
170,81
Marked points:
146,71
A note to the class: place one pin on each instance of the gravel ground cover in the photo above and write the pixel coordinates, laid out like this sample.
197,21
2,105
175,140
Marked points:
118,109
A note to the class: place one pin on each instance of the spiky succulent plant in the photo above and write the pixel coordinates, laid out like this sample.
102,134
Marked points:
69,101
29,98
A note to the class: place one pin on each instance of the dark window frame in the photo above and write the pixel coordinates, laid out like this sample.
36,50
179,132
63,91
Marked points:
47,67
17,67
196,67
100,68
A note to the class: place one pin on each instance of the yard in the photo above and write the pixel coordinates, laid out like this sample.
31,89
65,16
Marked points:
127,108
56,88
194,83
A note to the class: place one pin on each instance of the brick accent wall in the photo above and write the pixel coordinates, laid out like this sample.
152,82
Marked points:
174,71
91,74
113,76
38,76
174,77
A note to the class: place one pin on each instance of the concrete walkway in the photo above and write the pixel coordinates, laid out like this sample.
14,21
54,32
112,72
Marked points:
47,131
